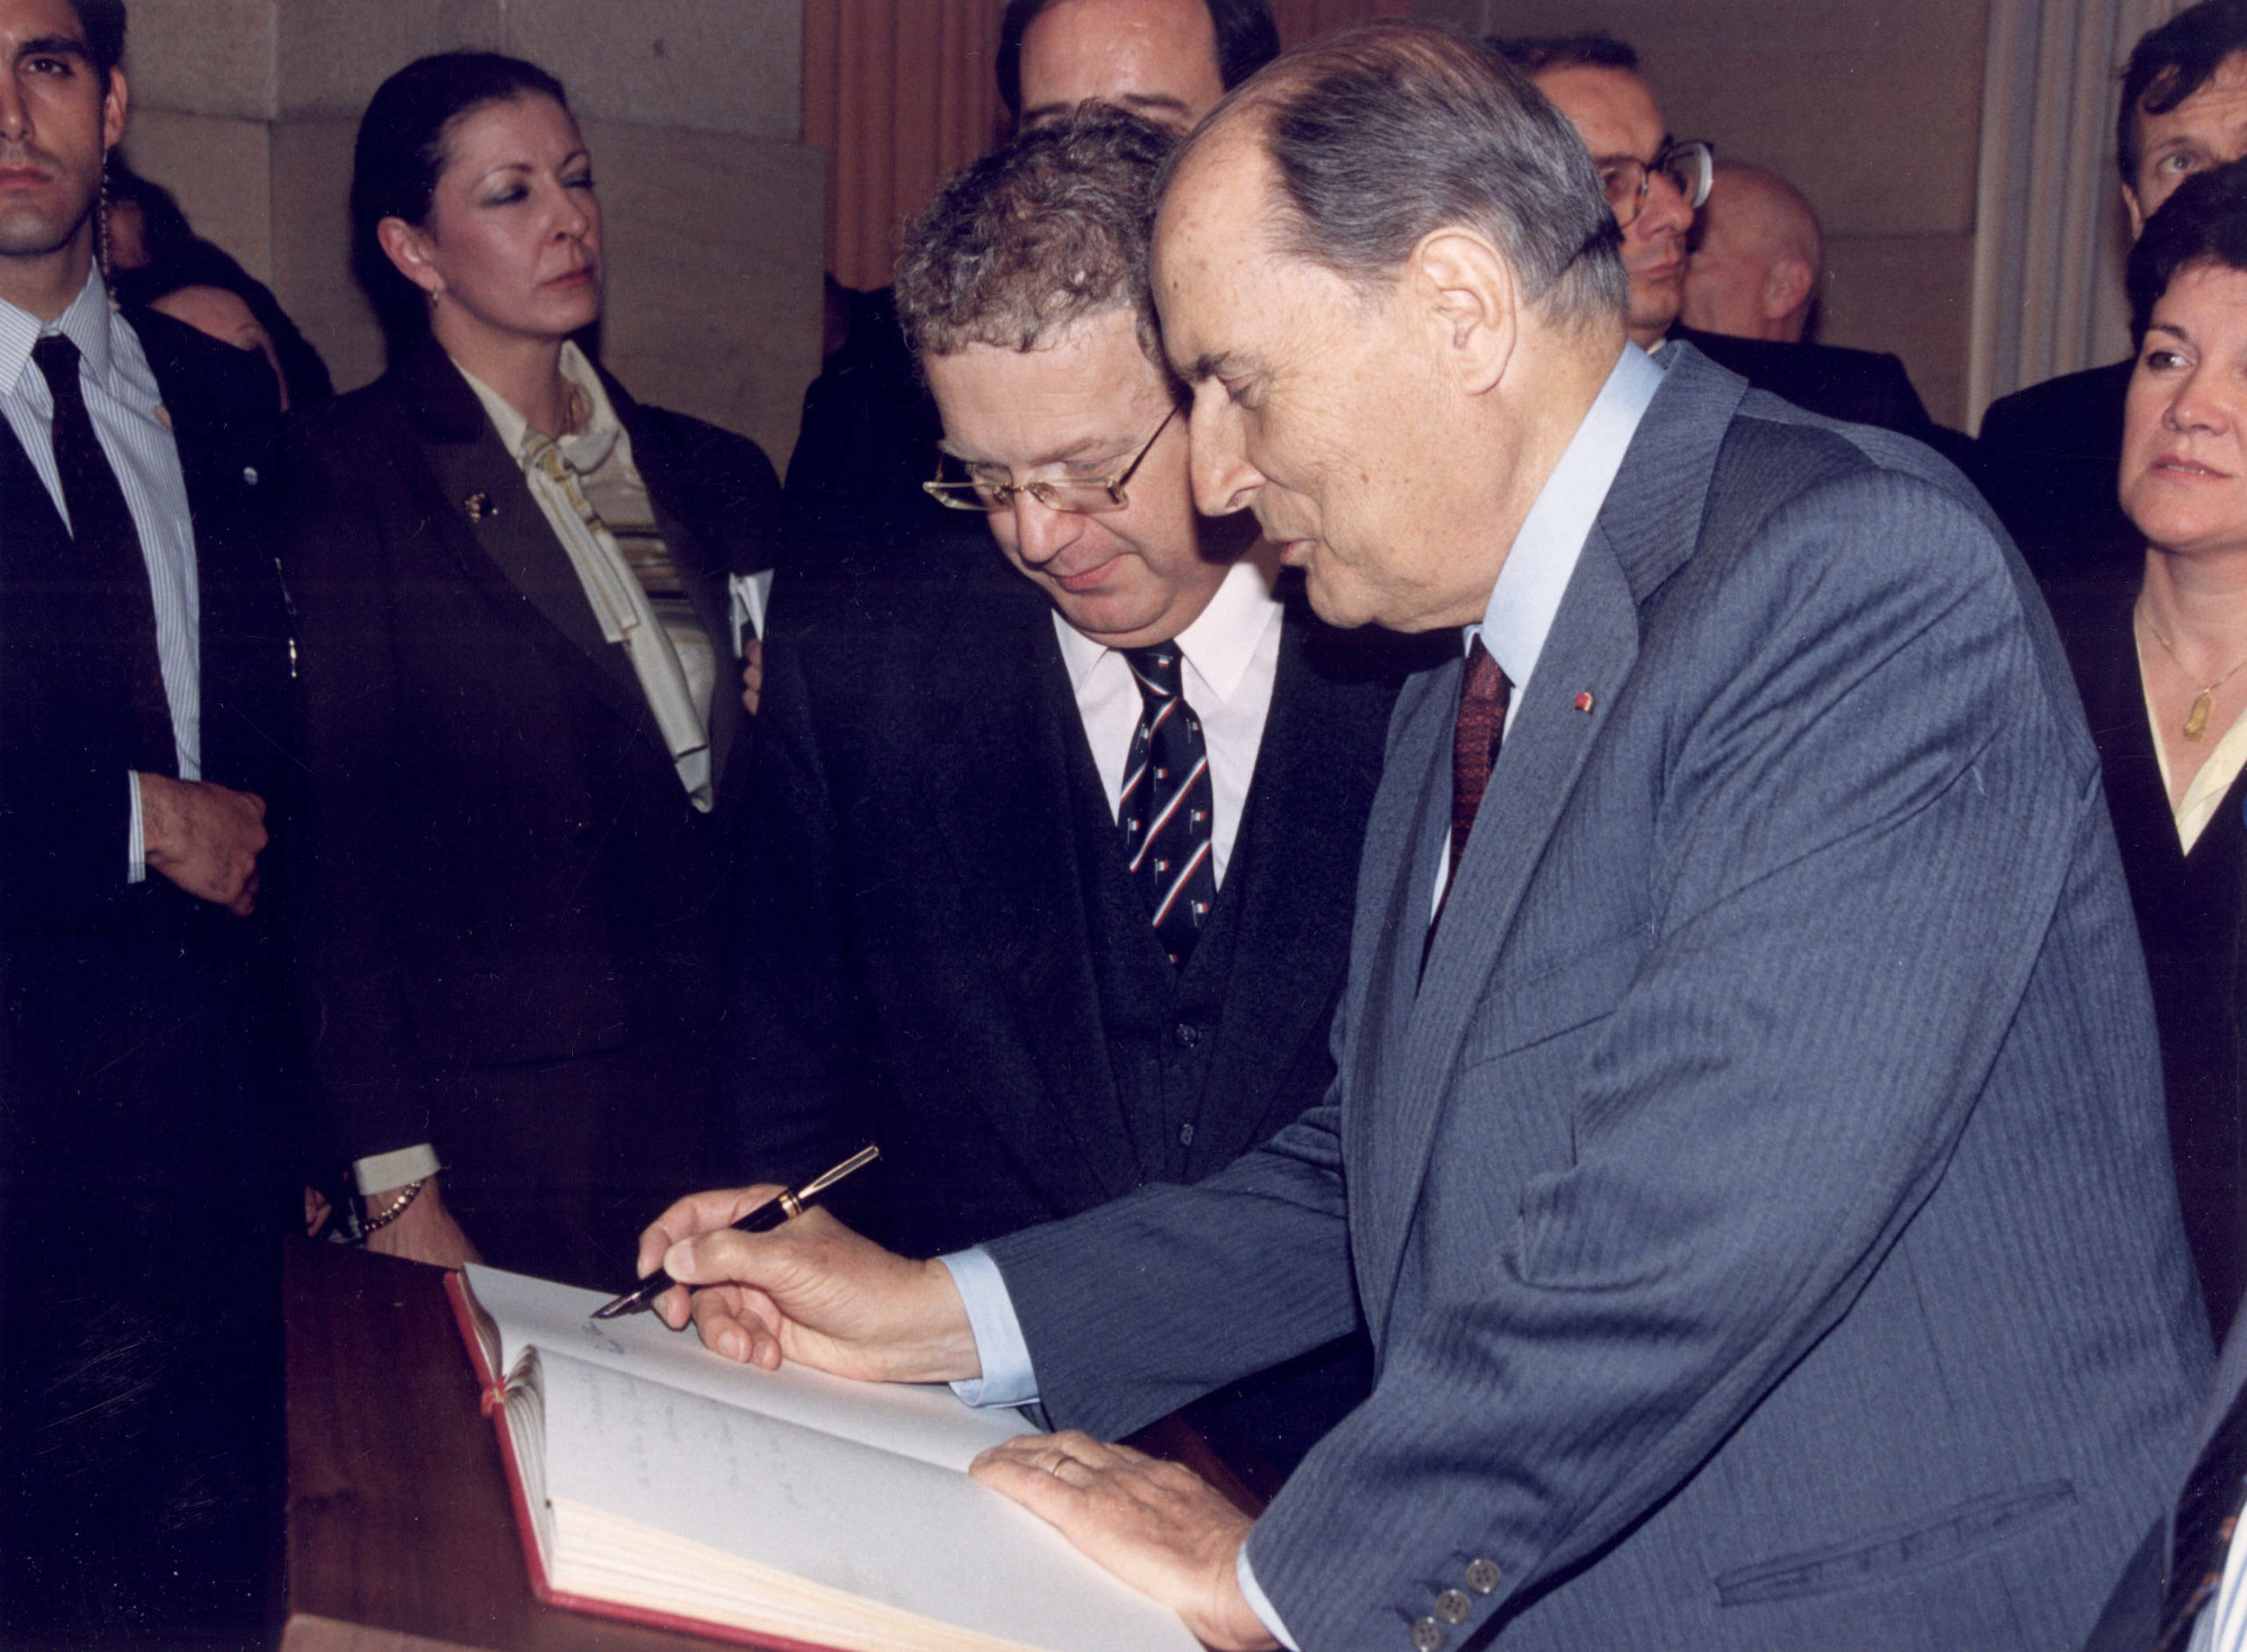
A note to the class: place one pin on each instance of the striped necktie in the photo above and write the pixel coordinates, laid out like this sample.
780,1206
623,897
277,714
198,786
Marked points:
1167,808
2208,1513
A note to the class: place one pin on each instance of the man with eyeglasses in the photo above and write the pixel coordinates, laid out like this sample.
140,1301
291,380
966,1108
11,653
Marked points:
1655,184
1049,881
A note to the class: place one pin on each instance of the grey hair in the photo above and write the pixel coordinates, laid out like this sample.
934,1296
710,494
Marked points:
1388,132
1042,232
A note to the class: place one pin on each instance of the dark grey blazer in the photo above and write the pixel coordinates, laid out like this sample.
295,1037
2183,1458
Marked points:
1761,1209
508,875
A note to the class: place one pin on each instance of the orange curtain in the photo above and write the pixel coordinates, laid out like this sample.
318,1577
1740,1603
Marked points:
901,94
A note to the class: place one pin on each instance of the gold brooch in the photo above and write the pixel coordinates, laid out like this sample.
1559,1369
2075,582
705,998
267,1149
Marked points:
479,505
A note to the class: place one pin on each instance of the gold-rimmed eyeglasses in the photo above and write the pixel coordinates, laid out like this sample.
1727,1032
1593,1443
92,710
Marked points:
1690,167
1093,496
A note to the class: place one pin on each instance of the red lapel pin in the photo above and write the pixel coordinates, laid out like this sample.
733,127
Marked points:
1583,701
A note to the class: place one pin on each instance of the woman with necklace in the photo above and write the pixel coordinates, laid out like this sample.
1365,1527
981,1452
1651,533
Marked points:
2161,663
518,592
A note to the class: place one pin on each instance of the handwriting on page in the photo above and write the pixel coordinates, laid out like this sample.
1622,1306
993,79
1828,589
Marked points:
851,1517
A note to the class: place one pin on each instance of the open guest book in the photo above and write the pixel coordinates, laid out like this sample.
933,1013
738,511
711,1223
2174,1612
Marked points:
657,1482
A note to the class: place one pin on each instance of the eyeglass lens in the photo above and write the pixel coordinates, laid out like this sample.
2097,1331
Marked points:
1690,168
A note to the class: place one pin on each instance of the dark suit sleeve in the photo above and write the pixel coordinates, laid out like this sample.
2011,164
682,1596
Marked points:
65,826
66,814
1872,822
722,482
1897,400
372,1100
801,1060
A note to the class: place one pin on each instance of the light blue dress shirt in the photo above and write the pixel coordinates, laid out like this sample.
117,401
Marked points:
1514,626
126,411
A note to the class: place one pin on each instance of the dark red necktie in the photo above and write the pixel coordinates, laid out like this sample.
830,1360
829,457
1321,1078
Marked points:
1483,694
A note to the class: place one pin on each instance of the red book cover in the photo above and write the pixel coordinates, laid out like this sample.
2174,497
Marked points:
492,1386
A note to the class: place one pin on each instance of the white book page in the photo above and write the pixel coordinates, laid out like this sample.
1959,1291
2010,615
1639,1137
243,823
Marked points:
882,1528
927,1422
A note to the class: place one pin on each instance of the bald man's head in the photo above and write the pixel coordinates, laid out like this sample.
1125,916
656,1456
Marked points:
1757,258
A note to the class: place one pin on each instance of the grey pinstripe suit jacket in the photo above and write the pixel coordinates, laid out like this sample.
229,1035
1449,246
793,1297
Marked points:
1761,1207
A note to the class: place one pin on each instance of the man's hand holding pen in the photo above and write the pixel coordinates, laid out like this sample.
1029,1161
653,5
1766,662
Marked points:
810,1291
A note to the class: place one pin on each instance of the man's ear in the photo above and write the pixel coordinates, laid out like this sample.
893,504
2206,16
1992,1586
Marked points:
408,248
1787,286
1472,305
113,107
2137,216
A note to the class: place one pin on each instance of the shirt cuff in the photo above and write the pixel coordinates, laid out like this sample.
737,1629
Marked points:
136,843
1007,1378
1256,1604
379,1173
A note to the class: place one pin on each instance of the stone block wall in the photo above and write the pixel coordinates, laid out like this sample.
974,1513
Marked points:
246,108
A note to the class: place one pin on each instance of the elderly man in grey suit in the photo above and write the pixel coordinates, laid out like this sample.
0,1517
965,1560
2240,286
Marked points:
1747,1149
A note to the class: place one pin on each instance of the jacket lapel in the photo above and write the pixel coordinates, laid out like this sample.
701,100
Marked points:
1648,528
1297,845
1010,822
504,541
691,541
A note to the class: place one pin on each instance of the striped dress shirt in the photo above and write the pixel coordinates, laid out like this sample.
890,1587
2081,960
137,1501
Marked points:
129,421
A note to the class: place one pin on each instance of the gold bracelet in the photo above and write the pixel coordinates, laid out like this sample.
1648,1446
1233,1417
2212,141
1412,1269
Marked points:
406,1196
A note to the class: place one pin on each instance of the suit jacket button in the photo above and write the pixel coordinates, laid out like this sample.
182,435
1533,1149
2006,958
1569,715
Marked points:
1483,1576
1427,1636
1454,1606
1187,1034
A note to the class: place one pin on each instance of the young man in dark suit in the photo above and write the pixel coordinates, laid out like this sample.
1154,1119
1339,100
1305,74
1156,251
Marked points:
2047,454
957,938
143,727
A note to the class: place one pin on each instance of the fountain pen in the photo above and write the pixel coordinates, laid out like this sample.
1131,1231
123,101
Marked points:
785,1208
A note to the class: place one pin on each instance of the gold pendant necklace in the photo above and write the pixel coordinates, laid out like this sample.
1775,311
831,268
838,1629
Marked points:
2196,720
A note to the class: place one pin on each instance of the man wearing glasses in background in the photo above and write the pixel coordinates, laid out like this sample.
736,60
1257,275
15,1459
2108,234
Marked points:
1655,184
1050,881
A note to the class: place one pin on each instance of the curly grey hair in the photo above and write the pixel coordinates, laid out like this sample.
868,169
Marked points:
1042,232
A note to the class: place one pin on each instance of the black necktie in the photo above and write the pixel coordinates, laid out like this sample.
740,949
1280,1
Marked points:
2207,1515
1167,811
119,646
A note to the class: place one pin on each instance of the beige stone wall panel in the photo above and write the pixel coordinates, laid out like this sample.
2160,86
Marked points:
312,239
220,170
715,245
213,57
1910,294
726,65
331,55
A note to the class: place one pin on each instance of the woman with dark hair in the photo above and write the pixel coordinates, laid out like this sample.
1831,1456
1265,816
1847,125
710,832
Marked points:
521,596
2161,657
201,284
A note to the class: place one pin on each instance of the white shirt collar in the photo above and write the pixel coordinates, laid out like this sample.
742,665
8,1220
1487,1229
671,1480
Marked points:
85,324
587,448
1538,568
1220,644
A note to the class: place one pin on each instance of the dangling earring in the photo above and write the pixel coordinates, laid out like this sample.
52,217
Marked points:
101,232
